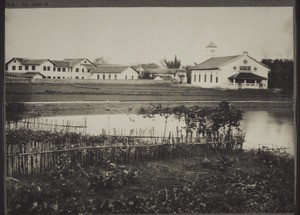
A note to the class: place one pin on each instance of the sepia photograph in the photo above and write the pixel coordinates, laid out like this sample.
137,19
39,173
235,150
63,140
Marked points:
149,110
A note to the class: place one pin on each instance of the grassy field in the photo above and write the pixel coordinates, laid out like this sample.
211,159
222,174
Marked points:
26,92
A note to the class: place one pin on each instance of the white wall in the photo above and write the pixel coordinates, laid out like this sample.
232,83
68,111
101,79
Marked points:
209,83
127,74
227,71
16,64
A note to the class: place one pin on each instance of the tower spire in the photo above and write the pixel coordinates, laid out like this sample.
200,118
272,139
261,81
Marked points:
211,49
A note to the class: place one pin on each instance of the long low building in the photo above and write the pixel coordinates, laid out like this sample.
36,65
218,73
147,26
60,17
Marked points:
233,72
77,68
114,72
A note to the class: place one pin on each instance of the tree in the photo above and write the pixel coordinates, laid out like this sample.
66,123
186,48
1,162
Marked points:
281,75
145,75
173,64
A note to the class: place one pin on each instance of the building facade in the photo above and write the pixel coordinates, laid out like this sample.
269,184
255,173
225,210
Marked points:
114,72
233,72
79,68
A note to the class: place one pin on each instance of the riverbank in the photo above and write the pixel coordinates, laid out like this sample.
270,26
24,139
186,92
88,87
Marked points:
44,92
61,108
256,181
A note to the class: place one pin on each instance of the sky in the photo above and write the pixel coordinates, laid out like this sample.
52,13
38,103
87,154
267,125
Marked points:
145,35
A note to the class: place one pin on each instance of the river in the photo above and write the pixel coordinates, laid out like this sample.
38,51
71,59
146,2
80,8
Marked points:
272,127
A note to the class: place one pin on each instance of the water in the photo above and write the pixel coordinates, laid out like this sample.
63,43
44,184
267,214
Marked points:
272,128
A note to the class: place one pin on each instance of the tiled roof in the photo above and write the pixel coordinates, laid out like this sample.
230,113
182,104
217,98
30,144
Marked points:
160,71
214,63
110,68
89,66
33,61
167,77
61,63
21,59
32,74
74,61
247,76
179,70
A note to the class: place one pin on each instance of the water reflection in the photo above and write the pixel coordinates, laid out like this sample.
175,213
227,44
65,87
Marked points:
271,128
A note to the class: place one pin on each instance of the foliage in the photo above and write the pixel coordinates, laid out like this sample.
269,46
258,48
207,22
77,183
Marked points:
173,64
236,183
145,75
281,75
23,136
210,121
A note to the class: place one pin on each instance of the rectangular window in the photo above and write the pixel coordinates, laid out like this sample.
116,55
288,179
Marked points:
48,68
63,69
217,80
54,68
245,68
33,67
63,77
49,77
109,77
13,67
115,76
76,77
82,70
44,68
98,77
26,67
199,78
125,76
132,77
58,77
82,77
58,69
20,67
103,76
195,78
210,78
77,70
53,77
205,78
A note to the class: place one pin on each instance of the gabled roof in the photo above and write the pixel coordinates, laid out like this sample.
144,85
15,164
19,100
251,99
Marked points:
89,66
20,59
32,74
247,76
16,58
165,77
215,62
179,70
34,61
74,61
160,71
110,68
61,63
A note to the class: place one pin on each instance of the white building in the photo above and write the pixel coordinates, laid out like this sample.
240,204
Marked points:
240,71
114,72
52,69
